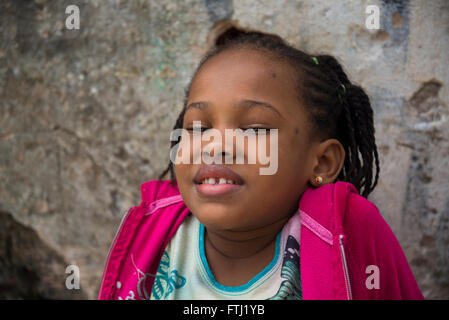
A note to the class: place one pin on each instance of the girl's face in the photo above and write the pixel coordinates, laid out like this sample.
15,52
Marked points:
222,86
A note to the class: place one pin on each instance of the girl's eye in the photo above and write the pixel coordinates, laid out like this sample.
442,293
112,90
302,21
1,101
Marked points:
196,129
258,130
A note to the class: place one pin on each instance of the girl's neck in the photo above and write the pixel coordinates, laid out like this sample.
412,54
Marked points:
235,258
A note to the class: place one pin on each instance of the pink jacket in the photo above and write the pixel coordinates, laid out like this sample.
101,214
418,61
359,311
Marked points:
345,243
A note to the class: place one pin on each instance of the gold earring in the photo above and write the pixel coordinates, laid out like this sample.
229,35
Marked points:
319,180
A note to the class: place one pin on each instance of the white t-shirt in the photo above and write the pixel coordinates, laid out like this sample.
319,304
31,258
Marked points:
184,273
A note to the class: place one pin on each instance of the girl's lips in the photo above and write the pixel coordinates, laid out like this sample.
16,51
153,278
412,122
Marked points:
215,190
217,172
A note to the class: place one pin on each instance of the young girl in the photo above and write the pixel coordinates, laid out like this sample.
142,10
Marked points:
224,231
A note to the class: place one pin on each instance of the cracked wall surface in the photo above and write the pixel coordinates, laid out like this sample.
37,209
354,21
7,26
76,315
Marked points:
85,117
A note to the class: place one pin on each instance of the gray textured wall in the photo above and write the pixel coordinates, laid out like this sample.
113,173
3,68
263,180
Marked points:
85,117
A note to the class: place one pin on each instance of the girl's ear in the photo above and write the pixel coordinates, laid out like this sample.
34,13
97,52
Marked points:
328,162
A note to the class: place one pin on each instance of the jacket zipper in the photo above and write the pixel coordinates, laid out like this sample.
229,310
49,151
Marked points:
345,268
111,247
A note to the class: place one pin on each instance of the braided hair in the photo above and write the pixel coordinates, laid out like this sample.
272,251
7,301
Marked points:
338,109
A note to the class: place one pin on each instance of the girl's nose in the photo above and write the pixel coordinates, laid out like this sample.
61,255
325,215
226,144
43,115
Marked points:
224,154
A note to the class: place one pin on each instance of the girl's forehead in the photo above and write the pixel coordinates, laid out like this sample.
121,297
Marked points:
244,69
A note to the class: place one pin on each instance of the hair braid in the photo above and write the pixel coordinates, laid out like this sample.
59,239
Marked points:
365,135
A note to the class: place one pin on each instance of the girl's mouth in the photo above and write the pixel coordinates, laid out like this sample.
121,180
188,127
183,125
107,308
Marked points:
217,180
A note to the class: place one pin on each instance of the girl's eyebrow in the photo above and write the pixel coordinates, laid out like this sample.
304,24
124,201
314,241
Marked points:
248,104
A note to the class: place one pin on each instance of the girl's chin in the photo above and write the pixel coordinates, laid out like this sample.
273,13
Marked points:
219,219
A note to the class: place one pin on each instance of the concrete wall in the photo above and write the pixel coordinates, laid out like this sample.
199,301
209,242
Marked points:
85,117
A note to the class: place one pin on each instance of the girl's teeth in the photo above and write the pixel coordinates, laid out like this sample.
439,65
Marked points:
213,181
